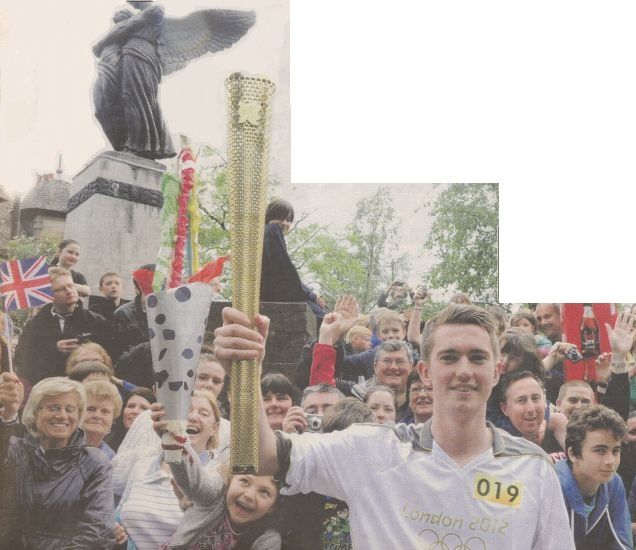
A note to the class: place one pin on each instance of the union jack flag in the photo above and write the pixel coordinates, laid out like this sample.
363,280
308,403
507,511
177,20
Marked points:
25,283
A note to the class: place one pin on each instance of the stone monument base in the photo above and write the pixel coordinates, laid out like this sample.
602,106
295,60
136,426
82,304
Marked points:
115,214
291,326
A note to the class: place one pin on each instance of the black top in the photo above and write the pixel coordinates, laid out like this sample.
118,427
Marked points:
103,306
78,278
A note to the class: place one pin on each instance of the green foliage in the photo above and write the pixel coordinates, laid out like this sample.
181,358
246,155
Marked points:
464,239
373,235
213,195
28,247
358,262
361,261
324,259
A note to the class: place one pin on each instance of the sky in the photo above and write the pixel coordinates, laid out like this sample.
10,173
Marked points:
537,97
47,70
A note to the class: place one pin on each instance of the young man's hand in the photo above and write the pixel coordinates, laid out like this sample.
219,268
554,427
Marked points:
236,340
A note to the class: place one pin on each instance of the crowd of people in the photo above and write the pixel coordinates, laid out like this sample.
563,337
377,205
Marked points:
394,432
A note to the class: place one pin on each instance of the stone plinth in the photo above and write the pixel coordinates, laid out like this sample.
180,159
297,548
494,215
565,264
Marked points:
114,213
291,326
117,166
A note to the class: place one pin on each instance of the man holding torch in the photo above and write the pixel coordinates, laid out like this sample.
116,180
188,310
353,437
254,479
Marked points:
456,479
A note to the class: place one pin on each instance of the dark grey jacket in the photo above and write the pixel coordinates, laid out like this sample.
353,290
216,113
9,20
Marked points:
62,498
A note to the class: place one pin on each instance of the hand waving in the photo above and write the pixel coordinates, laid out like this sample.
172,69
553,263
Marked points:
621,337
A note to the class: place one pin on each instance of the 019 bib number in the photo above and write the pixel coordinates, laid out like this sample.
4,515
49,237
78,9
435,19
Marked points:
498,491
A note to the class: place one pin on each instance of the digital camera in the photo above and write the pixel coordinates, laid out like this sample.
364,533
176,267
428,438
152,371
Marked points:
314,422
573,355
85,337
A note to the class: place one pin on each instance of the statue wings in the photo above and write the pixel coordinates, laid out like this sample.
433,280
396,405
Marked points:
203,31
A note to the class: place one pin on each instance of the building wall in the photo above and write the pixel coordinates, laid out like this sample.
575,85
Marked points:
5,221
50,225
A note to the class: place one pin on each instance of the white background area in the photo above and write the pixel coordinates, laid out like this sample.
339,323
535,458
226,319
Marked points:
539,97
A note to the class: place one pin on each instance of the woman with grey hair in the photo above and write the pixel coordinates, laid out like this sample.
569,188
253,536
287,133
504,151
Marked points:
62,496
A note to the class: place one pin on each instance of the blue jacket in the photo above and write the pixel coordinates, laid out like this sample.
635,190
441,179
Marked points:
608,526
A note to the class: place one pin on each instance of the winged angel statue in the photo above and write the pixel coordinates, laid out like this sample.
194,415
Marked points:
138,50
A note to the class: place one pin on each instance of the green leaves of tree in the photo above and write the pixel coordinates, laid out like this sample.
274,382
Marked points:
464,237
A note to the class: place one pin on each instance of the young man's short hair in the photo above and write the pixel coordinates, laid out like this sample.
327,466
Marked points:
509,379
56,272
460,314
563,390
591,419
108,274
389,317
356,330
344,413
500,315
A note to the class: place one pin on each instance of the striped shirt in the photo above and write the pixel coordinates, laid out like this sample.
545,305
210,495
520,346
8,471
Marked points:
149,509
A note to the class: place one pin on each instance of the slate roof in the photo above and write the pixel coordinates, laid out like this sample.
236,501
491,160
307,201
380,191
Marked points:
49,195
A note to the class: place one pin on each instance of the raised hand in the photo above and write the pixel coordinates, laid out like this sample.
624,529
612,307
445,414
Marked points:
621,337
11,395
337,324
347,306
420,297
236,340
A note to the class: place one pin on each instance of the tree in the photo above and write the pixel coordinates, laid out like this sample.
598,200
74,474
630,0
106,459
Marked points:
213,195
28,247
373,235
464,238
325,259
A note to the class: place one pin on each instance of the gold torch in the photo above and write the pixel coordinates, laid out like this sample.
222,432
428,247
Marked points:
249,113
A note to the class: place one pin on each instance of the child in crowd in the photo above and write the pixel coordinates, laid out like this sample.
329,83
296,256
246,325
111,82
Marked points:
68,254
228,511
594,494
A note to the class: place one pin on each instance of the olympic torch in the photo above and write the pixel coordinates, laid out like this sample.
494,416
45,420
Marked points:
249,114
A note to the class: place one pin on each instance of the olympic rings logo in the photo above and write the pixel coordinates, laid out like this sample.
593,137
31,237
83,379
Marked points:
450,541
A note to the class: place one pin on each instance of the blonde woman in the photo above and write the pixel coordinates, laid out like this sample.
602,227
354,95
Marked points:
63,494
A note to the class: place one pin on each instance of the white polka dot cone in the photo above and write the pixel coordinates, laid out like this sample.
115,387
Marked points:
176,323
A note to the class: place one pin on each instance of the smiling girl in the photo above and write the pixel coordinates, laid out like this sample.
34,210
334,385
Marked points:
68,254
228,511
149,510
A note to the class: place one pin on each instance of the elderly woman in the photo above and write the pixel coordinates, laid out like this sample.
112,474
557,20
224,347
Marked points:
103,405
62,497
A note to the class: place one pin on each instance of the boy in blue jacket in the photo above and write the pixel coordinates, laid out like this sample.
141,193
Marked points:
594,494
